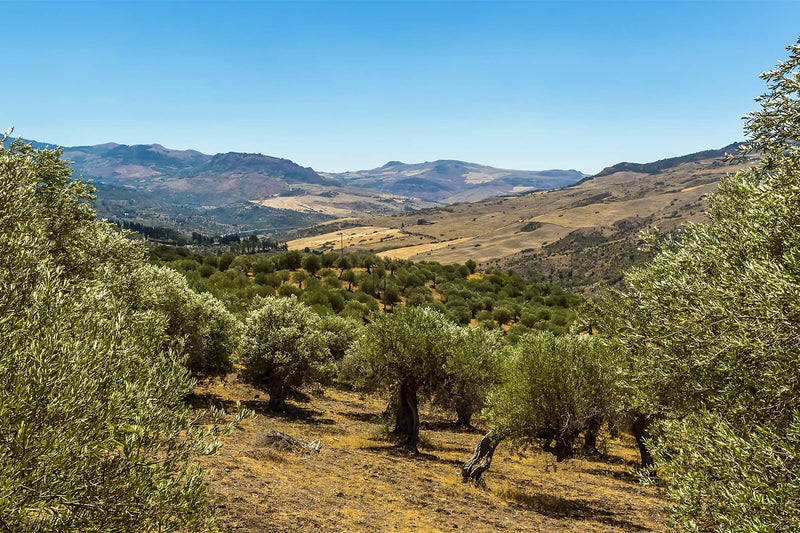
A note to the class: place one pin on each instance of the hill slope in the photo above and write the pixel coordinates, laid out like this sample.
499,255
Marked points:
359,482
579,235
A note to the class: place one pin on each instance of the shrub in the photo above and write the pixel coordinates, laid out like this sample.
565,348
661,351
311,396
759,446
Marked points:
283,345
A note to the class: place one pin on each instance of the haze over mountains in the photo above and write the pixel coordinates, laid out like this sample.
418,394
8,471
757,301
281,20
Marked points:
450,181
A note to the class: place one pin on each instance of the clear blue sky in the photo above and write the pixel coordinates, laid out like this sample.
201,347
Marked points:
345,86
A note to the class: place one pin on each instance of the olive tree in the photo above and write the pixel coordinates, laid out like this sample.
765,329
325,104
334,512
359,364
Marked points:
471,371
553,389
94,435
283,345
402,352
199,323
712,326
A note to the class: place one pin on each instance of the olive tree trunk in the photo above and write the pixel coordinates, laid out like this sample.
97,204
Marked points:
639,430
464,413
590,435
407,421
277,393
481,460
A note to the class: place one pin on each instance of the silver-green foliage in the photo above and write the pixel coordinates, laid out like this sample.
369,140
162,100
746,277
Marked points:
553,388
410,344
94,435
713,327
199,323
471,371
283,345
342,331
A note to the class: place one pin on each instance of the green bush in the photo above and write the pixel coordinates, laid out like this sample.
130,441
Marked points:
553,389
95,434
471,370
283,345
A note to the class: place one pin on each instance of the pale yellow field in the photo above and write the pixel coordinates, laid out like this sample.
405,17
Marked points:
304,204
419,249
353,237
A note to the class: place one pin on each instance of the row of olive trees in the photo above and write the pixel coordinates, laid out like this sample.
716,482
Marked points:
541,388
94,433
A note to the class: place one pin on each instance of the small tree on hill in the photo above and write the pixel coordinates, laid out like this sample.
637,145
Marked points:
553,389
282,346
404,352
312,263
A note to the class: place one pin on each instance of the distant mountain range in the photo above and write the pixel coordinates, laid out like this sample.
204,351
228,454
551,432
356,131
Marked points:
189,190
579,235
449,181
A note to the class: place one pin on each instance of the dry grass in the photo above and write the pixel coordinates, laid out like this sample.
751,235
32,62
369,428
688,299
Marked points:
352,238
360,482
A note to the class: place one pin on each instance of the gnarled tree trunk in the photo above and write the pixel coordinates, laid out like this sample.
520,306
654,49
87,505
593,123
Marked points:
407,421
464,413
481,460
590,435
277,393
639,429
564,448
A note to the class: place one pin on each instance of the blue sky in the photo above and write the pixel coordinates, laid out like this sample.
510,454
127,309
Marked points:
344,86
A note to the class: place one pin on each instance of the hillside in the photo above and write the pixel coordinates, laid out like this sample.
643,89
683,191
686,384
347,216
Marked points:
449,181
578,235
360,482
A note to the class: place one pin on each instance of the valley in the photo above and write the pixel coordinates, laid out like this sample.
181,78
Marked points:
580,235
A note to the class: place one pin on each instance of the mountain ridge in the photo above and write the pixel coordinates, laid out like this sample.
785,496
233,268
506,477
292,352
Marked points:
579,235
450,180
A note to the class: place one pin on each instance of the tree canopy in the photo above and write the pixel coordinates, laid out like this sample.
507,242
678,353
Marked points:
94,435
711,328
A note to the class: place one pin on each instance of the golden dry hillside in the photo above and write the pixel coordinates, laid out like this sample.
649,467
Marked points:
577,235
359,482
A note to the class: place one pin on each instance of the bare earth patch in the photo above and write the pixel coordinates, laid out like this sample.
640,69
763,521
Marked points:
360,482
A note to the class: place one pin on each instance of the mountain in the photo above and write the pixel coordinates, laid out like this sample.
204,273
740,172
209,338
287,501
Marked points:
663,164
226,192
579,235
188,176
449,181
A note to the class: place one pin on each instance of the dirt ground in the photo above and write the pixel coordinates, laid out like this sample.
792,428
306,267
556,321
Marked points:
360,482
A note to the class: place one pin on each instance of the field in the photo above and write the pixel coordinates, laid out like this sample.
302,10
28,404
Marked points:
360,482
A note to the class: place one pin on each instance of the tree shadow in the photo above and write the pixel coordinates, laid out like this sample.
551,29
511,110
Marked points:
451,427
260,407
397,450
557,507
621,475
361,417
